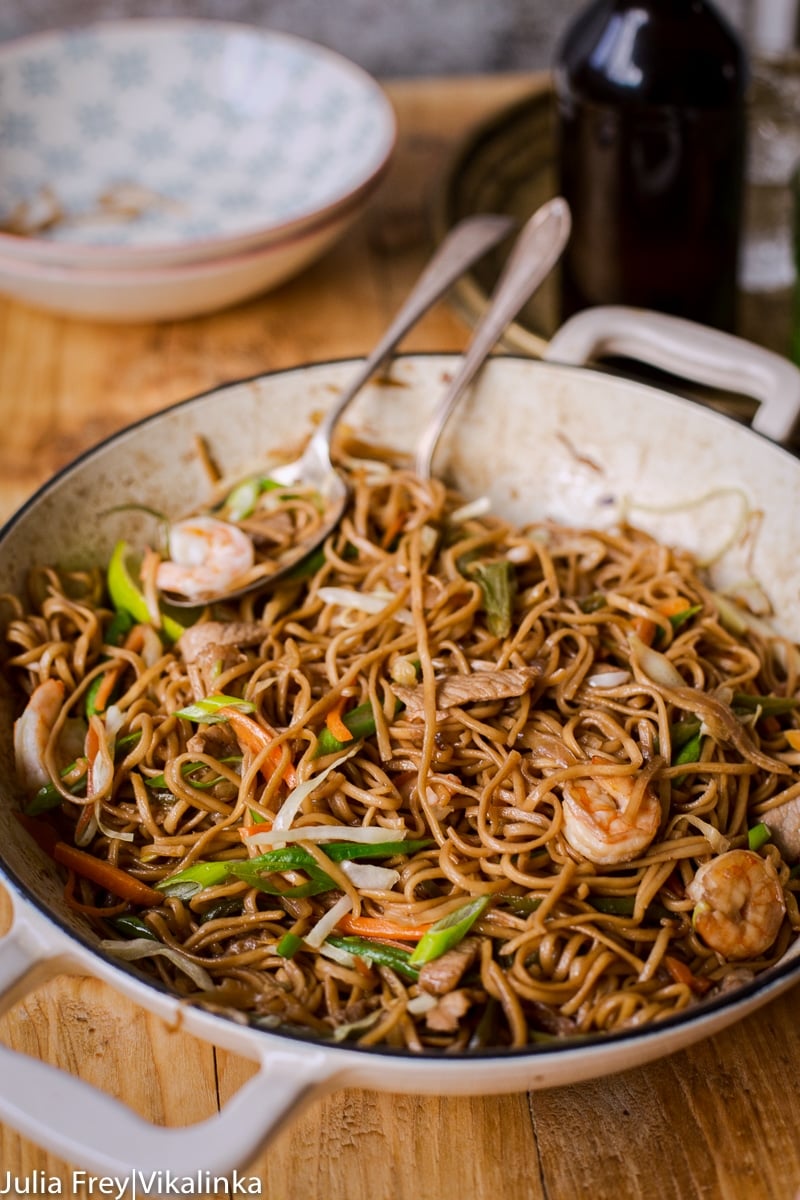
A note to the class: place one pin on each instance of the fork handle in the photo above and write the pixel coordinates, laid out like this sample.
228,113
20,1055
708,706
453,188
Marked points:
468,241
535,253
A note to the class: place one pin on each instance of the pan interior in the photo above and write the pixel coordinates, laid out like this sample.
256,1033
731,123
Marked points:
541,441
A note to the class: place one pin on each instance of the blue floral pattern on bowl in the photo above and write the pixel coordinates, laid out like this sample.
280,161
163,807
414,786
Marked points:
224,131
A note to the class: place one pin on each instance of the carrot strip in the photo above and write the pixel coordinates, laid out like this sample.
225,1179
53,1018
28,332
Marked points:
114,879
645,629
105,875
105,689
673,606
393,529
134,641
246,831
363,968
682,974
379,927
335,723
92,747
257,737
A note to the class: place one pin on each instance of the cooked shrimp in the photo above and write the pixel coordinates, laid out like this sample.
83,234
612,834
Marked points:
207,557
598,825
32,732
739,904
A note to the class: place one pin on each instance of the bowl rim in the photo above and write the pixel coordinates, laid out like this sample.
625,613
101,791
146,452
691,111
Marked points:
30,248
150,275
763,987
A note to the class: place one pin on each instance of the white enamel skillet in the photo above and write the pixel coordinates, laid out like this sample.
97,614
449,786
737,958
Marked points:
549,438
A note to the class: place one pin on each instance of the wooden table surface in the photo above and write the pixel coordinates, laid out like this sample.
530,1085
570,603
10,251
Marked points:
718,1120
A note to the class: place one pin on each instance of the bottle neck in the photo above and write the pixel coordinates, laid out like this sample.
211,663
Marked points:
655,52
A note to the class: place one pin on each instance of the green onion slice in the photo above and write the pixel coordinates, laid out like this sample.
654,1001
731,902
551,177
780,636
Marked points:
127,596
206,712
758,836
445,934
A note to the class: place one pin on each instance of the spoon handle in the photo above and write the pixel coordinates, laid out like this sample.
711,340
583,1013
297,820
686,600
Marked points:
535,253
468,241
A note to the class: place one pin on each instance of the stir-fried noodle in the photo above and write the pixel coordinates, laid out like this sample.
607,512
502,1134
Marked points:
454,785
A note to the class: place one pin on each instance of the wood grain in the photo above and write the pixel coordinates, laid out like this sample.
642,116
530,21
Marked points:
718,1121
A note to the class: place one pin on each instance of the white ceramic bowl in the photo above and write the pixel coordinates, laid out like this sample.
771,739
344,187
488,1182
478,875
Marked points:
211,137
168,292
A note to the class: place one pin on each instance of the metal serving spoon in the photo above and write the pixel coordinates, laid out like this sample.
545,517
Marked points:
468,241
534,254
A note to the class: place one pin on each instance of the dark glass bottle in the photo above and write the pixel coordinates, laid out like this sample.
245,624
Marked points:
651,119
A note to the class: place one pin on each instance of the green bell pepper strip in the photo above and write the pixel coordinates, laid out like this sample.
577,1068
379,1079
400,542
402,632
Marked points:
293,858
682,732
680,618
228,906
770,706
522,906
483,1033
371,952
376,952
48,796
318,881
91,695
158,783
445,934
623,906
290,858
118,627
133,927
689,752
341,851
199,875
498,584
307,566
677,620
592,603
127,596
615,906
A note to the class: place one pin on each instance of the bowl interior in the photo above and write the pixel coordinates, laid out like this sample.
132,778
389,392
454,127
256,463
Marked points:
157,133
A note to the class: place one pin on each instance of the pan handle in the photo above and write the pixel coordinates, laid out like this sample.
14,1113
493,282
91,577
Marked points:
689,350
83,1125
